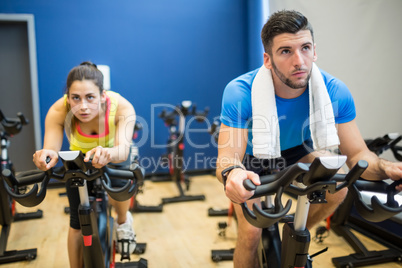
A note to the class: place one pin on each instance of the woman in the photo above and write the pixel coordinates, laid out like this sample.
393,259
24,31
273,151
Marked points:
99,123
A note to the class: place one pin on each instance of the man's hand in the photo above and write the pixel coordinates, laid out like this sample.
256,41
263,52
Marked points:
100,156
394,171
235,190
41,157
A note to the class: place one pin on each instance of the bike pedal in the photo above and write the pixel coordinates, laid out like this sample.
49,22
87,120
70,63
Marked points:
222,228
125,246
320,234
140,248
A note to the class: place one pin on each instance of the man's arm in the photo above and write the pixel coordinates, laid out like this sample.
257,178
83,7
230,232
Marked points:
232,144
353,146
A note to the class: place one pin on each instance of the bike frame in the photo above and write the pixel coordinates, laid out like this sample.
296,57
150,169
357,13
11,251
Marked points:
175,150
89,220
8,215
96,223
292,250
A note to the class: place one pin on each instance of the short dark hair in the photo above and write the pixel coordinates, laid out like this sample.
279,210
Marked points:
85,71
284,21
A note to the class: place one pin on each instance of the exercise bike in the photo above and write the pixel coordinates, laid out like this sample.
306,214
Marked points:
312,183
218,255
11,126
387,142
175,148
135,206
94,211
345,219
213,212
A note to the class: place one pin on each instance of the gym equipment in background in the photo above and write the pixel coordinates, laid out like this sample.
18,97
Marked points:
135,206
218,255
175,148
387,232
11,127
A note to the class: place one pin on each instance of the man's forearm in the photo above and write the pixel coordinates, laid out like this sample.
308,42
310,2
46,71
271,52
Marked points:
224,162
376,168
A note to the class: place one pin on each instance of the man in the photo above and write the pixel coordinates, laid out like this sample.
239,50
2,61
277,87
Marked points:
289,69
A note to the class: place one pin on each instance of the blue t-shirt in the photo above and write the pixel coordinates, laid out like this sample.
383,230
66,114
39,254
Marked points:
293,114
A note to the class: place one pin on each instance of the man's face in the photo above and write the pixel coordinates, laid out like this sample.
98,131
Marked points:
292,58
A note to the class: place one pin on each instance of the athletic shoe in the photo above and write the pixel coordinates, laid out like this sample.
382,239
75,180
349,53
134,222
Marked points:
125,236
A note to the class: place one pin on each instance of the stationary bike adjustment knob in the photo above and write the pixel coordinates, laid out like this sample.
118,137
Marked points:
6,172
181,146
87,240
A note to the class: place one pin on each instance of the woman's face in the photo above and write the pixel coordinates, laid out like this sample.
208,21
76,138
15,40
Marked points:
85,100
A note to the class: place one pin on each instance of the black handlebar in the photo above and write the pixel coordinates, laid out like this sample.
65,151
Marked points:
186,108
388,141
396,149
76,170
271,183
13,126
317,179
376,211
214,129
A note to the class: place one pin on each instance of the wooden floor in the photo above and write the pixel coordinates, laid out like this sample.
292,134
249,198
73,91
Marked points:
181,236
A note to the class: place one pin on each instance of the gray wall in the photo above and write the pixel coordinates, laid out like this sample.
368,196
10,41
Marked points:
358,41
18,85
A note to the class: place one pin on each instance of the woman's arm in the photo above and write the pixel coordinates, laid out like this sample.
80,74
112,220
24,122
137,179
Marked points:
54,126
125,121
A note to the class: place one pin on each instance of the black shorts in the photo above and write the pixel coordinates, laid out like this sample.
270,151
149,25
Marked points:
289,157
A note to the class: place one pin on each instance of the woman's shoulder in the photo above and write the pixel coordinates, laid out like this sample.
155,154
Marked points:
122,104
60,105
112,94
58,111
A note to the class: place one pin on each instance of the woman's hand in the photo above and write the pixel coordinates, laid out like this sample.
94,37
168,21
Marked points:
100,156
41,157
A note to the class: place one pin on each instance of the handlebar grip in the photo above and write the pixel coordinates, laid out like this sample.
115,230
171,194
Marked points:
125,192
273,183
22,118
377,211
118,173
35,195
354,174
391,188
249,185
30,177
371,186
23,178
9,177
396,149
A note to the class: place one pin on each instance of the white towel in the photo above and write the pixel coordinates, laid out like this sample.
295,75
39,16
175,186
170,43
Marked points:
266,136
